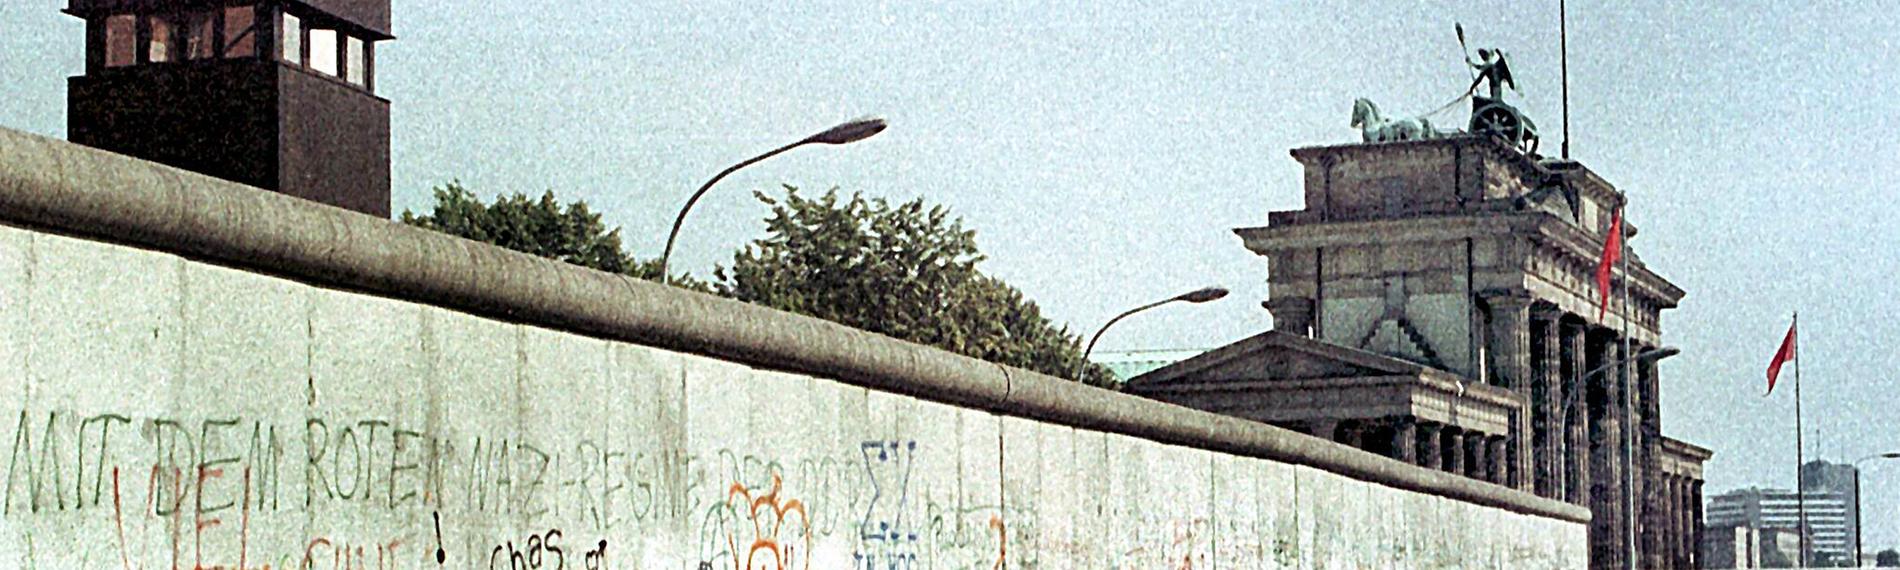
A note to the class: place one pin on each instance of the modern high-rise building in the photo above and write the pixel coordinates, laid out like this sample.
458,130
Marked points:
1780,509
277,94
1839,479
1744,547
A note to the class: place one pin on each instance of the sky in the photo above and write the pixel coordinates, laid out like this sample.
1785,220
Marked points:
1104,151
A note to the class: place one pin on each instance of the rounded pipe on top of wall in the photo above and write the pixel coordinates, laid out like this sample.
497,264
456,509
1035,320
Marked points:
71,189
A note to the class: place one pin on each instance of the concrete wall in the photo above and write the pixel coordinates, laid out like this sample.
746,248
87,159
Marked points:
208,376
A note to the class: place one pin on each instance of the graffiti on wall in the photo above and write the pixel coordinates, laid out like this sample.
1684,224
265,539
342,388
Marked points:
763,530
380,493
884,539
209,484
334,493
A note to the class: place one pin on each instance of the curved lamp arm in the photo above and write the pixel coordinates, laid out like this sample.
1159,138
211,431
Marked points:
1887,455
1196,296
849,132
1583,382
1858,530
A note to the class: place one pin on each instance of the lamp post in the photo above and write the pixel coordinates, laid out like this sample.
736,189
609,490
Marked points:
1583,382
1650,355
1857,529
1196,296
848,132
1630,428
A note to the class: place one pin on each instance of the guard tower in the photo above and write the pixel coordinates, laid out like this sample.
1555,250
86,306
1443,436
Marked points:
278,94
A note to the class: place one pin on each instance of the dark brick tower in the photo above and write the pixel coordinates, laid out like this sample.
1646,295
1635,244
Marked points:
278,94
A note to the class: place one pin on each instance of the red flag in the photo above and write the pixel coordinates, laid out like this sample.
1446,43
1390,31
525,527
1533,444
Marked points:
1612,249
1781,357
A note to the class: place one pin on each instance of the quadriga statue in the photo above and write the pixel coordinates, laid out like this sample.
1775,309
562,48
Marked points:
1375,128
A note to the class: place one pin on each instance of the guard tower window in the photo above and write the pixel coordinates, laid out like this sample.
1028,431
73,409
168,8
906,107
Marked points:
159,49
198,35
293,39
356,66
240,31
122,33
323,52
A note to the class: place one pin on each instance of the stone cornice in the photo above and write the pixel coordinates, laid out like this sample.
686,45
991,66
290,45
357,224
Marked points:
1263,239
1440,384
1561,237
1586,181
1514,297
1685,449
1578,245
1274,340
1321,153
1684,459
1532,171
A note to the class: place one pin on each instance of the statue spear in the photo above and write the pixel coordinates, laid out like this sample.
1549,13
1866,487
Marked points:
1466,50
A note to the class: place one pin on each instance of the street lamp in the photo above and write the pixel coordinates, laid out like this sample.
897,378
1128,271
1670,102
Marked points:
1650,355
1196,296
849,132
1857,529
1583,383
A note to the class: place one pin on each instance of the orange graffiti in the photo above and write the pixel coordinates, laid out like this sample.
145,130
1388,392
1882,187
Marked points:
345,556
118,519
1002,541
309,550
1184,532
767,511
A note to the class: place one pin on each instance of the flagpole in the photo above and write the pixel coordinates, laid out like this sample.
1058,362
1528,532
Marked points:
1629,408
1800,487
1563,51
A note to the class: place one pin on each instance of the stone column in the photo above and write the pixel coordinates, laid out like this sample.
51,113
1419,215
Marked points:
1695,520
1608,536
1666,508
1622,380
1454,450
1352,433
1477,461
1547,414
1291,315
1679,523
1649,454
1510,355
1691,522
1325,429
1405,439
1573,363
1428,454
1497,445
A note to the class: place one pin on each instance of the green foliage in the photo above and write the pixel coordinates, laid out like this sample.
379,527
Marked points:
907,271
571,233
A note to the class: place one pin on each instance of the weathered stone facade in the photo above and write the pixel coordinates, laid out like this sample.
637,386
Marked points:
1435,302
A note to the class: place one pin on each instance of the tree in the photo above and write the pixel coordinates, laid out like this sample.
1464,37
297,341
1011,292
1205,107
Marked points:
571,233
1888,558
908,271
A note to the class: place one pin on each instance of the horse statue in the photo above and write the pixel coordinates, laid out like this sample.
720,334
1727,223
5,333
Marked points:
1374,128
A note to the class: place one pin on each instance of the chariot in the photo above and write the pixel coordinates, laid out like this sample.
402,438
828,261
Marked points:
1490,115
1497,118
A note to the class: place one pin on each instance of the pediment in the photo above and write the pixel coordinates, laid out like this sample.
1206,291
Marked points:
1272,356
